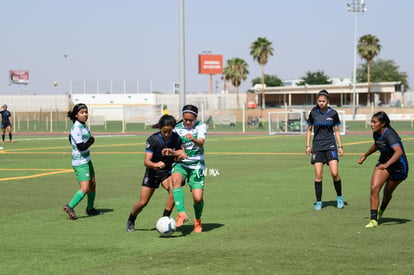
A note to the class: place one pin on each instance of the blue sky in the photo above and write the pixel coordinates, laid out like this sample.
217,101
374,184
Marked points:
136,40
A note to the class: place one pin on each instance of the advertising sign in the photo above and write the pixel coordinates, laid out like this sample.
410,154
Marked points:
19,77
210,64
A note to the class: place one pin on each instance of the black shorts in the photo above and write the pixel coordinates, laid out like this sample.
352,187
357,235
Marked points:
398,171
5,125
153,178
324,156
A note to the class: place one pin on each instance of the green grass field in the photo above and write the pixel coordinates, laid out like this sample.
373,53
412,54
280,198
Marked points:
258,217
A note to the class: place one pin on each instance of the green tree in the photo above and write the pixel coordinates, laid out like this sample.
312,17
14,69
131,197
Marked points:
315,78
269,80
260,50
368,48
383,71
236,71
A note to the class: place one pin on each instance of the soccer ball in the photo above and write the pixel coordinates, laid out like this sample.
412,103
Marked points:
165,226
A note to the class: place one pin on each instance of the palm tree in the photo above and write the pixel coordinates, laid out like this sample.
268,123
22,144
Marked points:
261,49
236,71
368,47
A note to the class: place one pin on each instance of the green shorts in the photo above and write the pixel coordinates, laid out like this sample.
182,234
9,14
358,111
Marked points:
195,177
84,172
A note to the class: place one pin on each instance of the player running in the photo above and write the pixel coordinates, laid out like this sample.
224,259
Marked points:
160,150
391,168
193,135
326,146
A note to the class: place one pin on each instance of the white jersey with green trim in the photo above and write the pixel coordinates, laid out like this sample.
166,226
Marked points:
195,153
79,133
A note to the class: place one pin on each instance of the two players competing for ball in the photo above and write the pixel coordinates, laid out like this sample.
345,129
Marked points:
188,166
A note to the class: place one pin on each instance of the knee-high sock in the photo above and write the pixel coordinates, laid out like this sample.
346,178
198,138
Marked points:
79,195
198,209
91,200
318,190
10,136
178,194
338,187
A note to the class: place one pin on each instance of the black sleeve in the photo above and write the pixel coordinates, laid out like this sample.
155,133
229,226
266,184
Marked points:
85,145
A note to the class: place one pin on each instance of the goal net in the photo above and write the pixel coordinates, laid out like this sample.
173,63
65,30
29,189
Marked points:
294,122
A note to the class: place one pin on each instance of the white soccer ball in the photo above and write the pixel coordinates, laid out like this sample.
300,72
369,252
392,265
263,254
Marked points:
165,226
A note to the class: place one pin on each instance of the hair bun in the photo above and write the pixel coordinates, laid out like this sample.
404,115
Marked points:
323,93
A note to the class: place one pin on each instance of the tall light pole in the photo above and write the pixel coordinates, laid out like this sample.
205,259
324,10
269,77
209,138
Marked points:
357,6
182,100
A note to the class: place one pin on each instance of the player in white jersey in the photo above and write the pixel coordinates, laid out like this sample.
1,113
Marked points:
191,169
81,139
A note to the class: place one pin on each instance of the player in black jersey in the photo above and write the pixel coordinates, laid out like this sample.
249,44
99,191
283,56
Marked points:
6,123
392,165
326,145
160,150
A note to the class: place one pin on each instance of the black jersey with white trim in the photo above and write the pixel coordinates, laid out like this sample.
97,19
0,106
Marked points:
323,124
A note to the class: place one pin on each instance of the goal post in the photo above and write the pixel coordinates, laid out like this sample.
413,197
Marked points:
294,122
287,122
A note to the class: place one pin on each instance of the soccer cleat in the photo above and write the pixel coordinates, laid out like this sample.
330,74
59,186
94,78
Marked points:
11,141
70,212
130,226
380,213
198,228
93,212
318,205
339,202
181,219
3,141
371,224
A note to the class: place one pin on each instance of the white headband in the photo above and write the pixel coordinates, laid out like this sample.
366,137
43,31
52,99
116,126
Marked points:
189,111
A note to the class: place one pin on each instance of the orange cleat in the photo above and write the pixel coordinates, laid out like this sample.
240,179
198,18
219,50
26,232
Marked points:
198,228
181,219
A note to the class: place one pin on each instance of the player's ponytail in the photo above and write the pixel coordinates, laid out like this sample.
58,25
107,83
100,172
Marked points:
383,118
72,114
165,120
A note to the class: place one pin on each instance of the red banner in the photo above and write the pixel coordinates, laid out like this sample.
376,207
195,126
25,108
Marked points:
19,76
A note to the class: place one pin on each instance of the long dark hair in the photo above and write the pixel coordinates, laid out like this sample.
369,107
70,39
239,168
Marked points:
321,93
165,120
383,118
72,114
